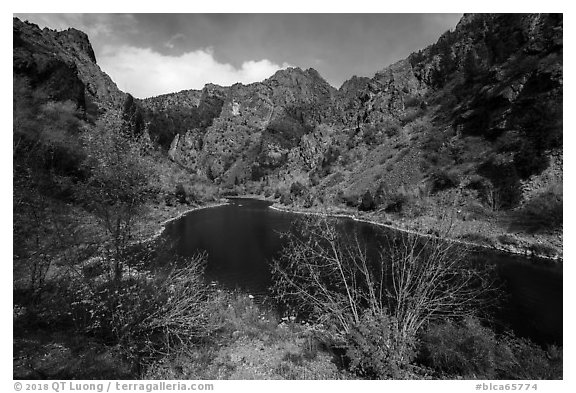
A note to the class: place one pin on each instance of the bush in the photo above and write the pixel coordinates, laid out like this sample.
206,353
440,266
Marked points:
202,191
395,202
146,314
392,130
367,203
371,347
442,180
371,135
350,200
330,157
508,240
543,249
377,306
466,349
519,358
503,190
297,189
285,198
181,193
471,350
543,212
477,238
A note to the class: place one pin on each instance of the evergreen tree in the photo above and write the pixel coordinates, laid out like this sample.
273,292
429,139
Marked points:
367,202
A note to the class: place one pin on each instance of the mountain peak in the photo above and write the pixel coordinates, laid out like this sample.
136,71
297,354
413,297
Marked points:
64,63
80,39
310,72
70,38
296,76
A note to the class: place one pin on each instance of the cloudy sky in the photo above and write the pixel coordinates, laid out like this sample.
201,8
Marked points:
151,54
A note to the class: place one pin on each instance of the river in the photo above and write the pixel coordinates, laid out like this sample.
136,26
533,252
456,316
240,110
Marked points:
242,237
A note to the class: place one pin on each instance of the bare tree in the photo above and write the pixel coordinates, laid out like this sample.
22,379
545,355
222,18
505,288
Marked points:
181,317
429,278
410,281
317,270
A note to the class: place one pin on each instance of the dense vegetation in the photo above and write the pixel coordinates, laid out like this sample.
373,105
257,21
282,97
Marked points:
81,193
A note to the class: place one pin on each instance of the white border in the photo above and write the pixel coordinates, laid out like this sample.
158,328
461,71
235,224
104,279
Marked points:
298,6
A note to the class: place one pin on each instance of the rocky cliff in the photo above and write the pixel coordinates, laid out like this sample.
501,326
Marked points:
480,110
62,65
242,132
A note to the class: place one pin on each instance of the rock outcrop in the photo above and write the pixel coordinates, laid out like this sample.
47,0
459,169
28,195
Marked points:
62,64
252,128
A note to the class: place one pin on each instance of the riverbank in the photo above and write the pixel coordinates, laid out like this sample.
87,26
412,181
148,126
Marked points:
479,234
253,196
156,217
458,231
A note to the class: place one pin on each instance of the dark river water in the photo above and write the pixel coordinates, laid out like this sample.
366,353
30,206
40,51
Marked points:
242,237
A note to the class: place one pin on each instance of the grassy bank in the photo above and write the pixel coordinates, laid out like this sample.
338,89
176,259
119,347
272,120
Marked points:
250,343
477,233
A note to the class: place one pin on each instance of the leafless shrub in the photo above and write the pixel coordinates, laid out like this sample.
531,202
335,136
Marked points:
413,280
147,313
183,315
317,270
429,278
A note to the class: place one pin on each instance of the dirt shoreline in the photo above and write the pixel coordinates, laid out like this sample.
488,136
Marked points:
500,248
161,225
520,251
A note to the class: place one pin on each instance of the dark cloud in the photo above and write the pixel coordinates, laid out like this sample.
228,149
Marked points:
337,45
340,45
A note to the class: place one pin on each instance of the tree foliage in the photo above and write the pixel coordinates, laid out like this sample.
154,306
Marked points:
119,183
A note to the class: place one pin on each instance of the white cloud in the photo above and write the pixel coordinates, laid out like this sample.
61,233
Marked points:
176,38
145,73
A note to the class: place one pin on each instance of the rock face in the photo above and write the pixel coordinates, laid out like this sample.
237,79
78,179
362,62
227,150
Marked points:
249,130
481,106
62,64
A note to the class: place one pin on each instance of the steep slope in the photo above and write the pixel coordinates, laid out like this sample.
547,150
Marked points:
480,109
484,102
62,64
171,116
59,92
248,130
